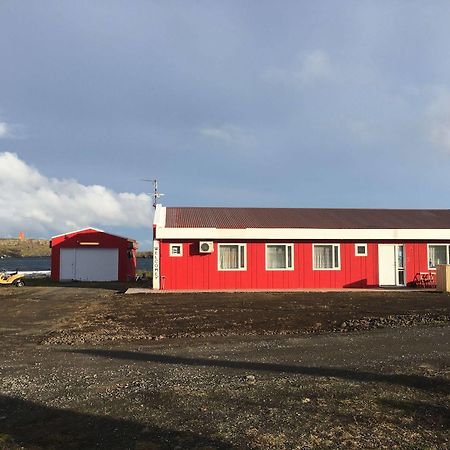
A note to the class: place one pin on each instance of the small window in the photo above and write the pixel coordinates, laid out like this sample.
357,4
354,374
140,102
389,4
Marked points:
279,257
232,257
360,249
176,249
437,254
326,257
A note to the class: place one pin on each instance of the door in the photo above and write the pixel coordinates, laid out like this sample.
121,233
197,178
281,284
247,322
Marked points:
89,264
67,264
391,266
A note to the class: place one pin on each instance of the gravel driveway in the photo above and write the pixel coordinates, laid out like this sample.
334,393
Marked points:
379,388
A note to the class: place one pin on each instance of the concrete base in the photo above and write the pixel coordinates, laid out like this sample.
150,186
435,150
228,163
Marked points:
155,291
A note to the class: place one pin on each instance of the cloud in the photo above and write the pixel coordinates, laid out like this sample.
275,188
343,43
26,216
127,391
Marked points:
309,68
11,130
438,118
229,134
4,130
42,206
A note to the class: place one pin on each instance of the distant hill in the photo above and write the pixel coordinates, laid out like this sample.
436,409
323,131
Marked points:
28,247
36,247
147,254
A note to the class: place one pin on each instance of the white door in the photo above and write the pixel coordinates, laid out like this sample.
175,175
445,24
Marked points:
67,264
386,265
391,268
89,264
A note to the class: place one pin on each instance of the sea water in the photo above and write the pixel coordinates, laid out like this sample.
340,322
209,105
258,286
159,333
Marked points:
43,263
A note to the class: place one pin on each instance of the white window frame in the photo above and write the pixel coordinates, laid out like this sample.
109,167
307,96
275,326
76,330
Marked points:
334,245
239,268
428,253
356,250
291,246
176,254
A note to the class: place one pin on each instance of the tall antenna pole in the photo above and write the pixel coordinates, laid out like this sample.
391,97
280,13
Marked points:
156,194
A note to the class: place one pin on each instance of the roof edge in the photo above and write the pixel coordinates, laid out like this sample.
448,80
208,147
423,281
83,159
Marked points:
159,219
94,229
78,231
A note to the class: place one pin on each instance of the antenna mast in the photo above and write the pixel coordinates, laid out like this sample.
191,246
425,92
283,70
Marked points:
156,194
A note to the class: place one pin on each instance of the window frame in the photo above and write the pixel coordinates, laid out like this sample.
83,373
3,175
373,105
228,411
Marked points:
361,245
332,244
437,244
239,245
286,245
171,246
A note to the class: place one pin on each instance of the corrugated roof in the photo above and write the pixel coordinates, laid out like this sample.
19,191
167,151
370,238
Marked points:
331,218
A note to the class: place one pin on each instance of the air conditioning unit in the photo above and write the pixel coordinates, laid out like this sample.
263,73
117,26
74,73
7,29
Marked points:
206,247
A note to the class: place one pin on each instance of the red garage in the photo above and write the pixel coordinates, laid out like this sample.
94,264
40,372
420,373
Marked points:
93,255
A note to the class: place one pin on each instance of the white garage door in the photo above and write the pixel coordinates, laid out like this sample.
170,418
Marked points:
89,264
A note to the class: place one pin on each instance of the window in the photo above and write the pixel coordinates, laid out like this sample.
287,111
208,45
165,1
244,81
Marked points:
232,257
360,249
326,257
279,257
437,254
176,249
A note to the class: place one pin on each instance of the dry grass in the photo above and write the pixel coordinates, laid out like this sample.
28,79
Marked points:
26,248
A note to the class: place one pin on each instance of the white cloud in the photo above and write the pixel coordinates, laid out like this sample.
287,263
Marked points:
229,134
11,130
4,130
438,118
42,206
310,67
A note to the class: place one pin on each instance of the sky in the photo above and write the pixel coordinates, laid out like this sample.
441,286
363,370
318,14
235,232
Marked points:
255,103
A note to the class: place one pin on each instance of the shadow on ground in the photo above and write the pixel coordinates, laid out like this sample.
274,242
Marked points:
428,414
24,424
412,381
118,286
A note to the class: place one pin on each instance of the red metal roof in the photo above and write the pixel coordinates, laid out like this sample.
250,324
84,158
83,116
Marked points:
332,218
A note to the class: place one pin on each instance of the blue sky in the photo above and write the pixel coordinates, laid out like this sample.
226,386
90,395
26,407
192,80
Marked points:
256,103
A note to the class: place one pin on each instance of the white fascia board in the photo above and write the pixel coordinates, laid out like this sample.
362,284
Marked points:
303,233
159,219
79,231
95,229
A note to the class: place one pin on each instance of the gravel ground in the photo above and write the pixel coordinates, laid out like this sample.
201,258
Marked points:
386,385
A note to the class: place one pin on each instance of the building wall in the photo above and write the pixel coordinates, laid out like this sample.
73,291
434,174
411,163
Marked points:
195,271
127,256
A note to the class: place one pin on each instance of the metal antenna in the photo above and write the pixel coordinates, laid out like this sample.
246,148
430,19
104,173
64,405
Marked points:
156,195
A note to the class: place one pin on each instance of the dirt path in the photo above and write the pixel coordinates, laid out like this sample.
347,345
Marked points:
72,316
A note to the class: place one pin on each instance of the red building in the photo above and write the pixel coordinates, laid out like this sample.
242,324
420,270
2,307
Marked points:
93,255
284,248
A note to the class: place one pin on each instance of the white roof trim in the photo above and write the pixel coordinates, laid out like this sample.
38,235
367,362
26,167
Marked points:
301,233
77,231
92,228
159,218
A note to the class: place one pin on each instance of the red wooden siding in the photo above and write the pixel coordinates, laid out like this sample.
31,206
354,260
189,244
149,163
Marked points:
195,271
